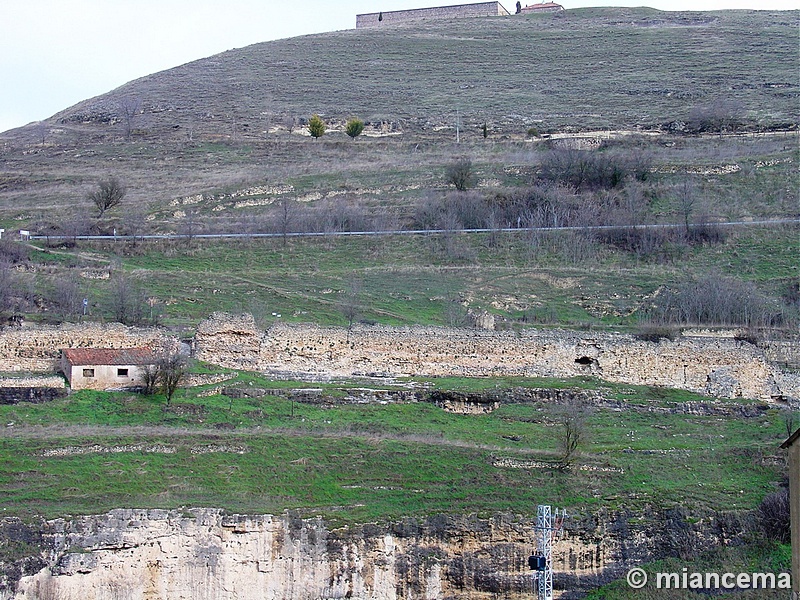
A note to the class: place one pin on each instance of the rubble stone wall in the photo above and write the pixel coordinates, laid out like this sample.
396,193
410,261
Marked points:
37,348
723,367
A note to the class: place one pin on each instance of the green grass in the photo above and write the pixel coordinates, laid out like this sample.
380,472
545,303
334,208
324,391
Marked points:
404,280
357,462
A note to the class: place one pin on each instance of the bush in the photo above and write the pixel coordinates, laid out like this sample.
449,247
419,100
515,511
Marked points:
773,516
653,332
592,170
354,128
316,127
460,174
716,300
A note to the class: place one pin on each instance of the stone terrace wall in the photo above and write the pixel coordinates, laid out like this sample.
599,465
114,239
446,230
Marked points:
720,367
397,17
37,349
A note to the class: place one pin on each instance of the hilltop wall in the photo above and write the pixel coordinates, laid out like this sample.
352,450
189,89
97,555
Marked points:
398,17
722,367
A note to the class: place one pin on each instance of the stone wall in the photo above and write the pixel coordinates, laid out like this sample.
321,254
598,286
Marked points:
37,348
204,554
722,367
398,17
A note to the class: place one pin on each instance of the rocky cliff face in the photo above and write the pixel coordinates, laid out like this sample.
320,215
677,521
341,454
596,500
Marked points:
204,554
722,367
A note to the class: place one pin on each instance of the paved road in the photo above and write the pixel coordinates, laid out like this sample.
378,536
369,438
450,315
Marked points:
185,236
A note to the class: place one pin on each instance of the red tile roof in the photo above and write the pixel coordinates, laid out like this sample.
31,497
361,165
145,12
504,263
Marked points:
109,356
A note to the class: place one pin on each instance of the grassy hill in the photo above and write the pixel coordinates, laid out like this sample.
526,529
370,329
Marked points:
594,117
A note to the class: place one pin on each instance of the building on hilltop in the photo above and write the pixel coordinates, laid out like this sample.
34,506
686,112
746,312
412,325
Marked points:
106,368
542,7
459,11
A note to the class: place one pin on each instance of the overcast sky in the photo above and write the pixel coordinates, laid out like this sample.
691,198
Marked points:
55,53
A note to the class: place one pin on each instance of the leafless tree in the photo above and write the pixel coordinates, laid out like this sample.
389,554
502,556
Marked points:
351,303
287,215
171,369
7,286
789,421
68,297
128,301
460,174
571,420
686,199
109,193
129,107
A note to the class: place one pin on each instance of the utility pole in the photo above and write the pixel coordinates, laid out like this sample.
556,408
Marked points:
458,125
548,527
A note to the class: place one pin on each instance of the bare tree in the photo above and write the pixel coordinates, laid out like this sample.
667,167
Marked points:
460,174
686,198
572,432
129,302
288,209
8,284
68,297
350,305
171,368
109,193
129,107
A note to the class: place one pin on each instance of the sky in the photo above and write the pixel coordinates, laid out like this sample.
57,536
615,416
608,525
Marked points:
56,53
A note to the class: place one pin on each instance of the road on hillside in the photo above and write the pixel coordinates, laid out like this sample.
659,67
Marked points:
197,236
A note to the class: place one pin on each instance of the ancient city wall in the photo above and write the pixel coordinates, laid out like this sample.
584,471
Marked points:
723,367
720,367
397,17
37,349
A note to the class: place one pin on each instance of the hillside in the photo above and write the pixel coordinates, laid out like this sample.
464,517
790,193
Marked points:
633,177
581,70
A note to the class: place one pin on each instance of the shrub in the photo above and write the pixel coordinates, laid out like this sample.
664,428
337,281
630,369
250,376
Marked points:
773,516
316,127
593,170
654,332
460,174
716,300
354,128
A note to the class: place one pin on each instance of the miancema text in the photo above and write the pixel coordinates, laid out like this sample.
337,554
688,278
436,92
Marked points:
726,581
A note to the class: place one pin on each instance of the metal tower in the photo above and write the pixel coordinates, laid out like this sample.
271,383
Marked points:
548,527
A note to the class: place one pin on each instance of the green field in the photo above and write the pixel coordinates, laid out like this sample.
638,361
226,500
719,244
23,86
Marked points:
357,462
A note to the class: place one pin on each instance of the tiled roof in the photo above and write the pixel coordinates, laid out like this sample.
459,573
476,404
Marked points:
109,356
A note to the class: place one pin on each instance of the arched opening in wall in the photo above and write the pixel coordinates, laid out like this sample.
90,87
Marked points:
585,361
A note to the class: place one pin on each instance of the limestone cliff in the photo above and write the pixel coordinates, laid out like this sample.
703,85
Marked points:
204,554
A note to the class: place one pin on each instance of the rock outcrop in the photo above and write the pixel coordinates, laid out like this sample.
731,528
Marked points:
204,554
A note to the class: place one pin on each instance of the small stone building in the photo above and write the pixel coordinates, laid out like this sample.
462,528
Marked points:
542,7
105,368
793,446
438,13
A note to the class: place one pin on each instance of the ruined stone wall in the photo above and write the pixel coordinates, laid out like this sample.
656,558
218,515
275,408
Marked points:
203,554
398,17
724,367
37,348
